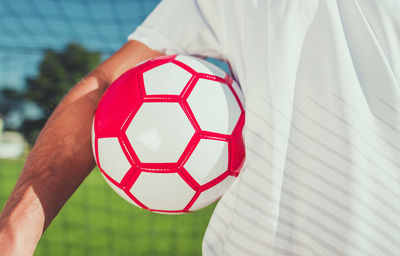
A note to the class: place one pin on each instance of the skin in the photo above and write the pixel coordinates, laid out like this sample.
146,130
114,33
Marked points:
62,156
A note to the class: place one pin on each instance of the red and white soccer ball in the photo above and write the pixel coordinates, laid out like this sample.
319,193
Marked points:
167,134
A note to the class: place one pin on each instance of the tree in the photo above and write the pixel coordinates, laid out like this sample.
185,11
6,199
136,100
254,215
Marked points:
58,72
10,100
11,106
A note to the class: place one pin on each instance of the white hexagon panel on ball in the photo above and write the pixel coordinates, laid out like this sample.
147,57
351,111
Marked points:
201,66
165,79
166,191
208,160
120,192
212,194
214,106
112,159
159,132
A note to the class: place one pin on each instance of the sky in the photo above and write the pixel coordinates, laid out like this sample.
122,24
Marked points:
27,27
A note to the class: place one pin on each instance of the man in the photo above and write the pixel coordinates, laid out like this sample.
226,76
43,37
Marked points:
321,81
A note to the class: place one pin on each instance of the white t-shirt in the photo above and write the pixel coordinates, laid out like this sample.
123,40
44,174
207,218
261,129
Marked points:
321,81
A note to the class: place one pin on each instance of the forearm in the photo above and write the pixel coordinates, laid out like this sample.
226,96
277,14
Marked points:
57,164
62,156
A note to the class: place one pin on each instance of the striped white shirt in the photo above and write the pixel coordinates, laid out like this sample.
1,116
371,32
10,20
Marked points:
322,85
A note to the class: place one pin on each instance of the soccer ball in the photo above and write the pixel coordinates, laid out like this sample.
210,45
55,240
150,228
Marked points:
167,134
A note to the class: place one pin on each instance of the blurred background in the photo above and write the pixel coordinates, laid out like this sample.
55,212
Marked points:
46,46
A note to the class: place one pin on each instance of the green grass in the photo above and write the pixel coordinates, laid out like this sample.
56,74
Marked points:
96,221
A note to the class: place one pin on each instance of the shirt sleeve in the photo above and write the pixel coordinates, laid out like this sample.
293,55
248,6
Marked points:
181,27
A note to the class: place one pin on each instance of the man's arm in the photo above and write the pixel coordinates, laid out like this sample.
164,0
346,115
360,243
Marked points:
62,156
